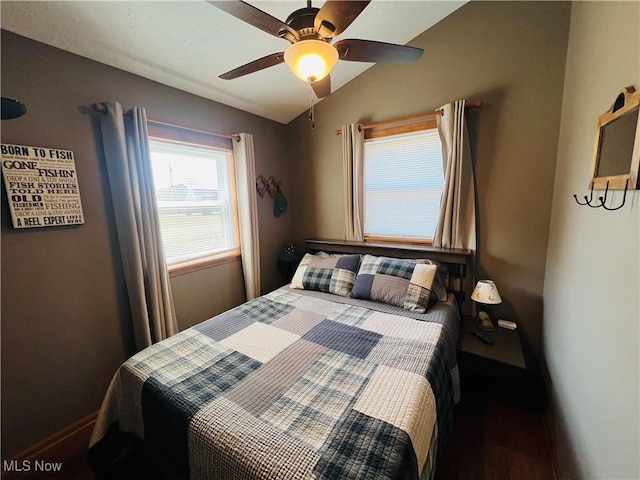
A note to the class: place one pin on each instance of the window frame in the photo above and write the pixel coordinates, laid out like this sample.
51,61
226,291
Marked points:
180,135
389,132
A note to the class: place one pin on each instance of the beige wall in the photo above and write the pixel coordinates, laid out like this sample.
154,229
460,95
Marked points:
508,54
65,317
592,283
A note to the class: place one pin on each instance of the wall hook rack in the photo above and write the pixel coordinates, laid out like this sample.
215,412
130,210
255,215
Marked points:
602,199
267,185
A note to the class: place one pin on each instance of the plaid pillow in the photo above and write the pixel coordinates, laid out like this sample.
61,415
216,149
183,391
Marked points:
397,282
326,273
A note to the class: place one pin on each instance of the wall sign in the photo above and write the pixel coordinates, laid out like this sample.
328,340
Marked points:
42,186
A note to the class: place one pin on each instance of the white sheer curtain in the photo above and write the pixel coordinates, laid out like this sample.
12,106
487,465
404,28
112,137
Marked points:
456,226
244,159
353,174
126,149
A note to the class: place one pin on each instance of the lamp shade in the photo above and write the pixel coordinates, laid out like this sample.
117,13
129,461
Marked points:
311,60
486,292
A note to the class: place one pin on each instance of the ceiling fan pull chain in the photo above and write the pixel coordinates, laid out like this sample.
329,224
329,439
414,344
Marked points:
311,109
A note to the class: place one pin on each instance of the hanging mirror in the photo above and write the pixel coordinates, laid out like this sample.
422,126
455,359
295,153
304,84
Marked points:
616,155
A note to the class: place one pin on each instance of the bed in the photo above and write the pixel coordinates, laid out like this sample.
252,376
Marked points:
299,383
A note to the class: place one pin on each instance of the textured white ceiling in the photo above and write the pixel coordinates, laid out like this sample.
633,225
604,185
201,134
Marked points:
187,44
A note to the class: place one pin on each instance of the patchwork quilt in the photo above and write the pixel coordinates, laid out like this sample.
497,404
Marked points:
295,385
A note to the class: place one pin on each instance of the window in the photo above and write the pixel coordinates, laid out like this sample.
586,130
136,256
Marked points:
403,182
194,184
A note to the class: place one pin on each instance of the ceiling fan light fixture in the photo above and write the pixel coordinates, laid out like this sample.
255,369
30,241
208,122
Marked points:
311,60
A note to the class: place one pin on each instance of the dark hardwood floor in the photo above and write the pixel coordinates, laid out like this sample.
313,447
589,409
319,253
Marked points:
496,437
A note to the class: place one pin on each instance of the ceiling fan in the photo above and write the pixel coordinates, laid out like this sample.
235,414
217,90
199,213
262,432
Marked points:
310,31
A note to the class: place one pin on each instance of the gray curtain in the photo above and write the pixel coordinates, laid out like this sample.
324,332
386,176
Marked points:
352,171
126,149
456,226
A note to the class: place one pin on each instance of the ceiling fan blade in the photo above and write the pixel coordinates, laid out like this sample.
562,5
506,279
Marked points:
354,50
322,88
256,17
336,15
260,64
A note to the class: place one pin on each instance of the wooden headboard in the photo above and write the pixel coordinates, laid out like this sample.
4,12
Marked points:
455,260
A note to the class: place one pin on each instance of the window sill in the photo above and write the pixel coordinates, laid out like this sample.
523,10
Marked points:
202,263
398,240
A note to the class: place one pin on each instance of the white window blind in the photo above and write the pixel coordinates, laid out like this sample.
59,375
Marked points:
403,180
195,200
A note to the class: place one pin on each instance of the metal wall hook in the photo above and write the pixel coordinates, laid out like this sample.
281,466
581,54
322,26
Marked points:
624,197
587,201
601,201
606,193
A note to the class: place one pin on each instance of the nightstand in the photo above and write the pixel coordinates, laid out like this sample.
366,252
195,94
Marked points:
288,260
499,369
503,358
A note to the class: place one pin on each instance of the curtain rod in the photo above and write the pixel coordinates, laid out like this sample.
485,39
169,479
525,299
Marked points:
102,108
435,113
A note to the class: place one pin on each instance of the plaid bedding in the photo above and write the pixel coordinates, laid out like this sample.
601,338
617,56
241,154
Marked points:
294,386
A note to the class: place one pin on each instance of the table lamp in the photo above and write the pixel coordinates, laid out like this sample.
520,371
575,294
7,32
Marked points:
486,293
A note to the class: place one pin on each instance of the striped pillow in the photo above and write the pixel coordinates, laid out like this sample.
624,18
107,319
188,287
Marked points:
396,282
326,273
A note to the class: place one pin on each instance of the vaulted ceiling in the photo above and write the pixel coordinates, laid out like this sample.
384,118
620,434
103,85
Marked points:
188,44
